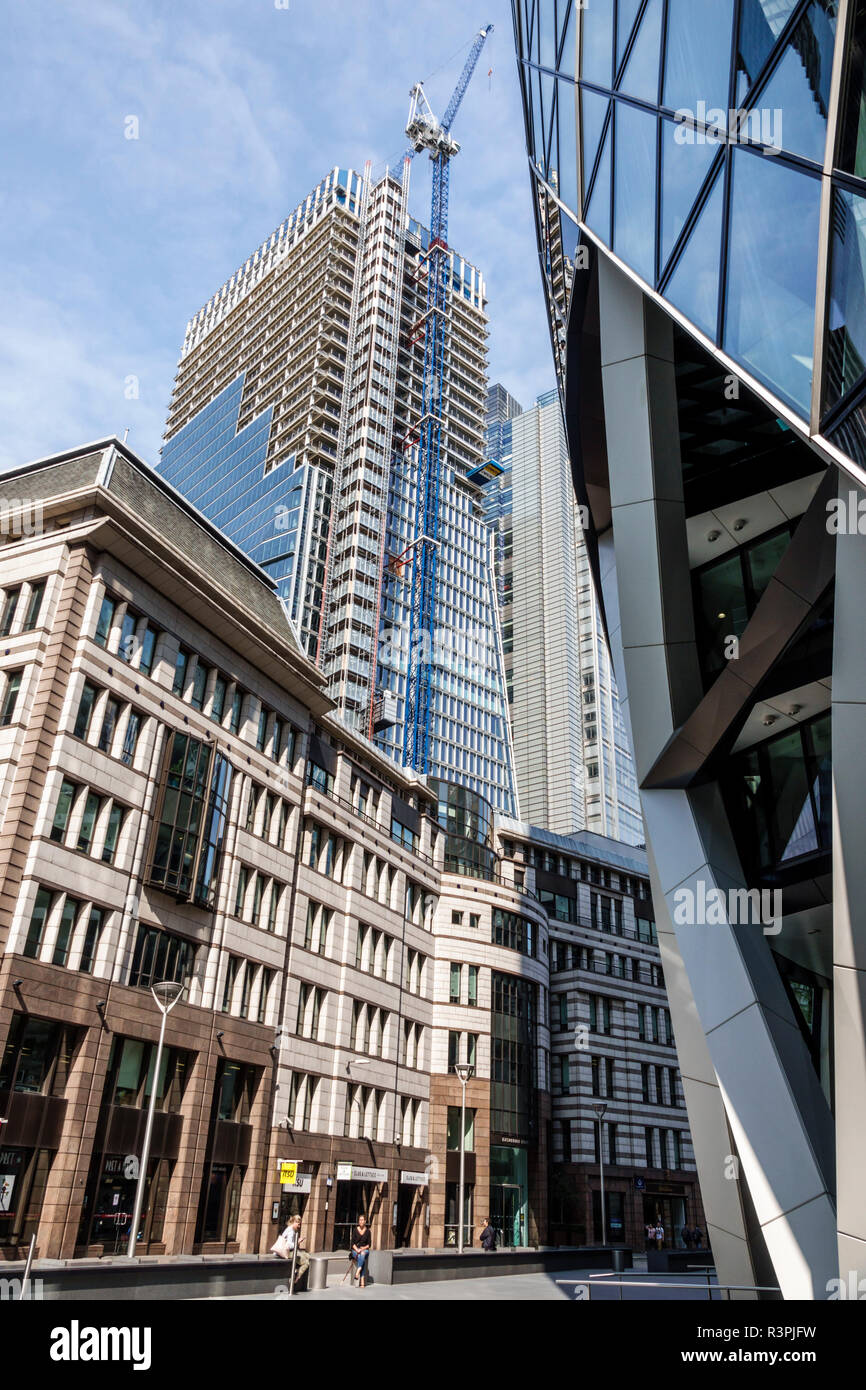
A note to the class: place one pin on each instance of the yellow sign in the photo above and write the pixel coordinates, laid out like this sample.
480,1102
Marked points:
288,1173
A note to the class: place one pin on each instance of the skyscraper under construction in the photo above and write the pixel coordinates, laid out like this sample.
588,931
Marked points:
295,424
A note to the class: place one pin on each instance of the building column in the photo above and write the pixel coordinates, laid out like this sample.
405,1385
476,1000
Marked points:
849,890
746,1070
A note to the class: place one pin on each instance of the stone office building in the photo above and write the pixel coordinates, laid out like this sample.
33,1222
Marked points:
178,801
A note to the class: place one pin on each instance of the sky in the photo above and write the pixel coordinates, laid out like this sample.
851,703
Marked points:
109,244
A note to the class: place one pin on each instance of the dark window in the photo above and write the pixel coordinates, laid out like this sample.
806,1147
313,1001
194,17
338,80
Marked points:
181,668
160,955
85,710
130,738
109,724
91,939
88,821
7,616
37,1056
64,810
68,918
106,618
38,918
34,607
116,818
199,685
10,699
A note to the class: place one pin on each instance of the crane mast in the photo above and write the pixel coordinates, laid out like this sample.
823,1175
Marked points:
425,132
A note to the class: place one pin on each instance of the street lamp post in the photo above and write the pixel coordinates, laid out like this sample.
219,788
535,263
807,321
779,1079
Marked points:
166,994
464,1071
600,1111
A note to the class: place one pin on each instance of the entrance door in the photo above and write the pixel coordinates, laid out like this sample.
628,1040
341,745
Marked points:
406,1213
508,1216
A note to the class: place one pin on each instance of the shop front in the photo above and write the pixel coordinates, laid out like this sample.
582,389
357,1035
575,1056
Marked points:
295,1189
359,1190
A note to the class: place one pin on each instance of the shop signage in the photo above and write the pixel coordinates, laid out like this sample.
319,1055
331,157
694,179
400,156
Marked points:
413,1179
352,1172
512,1139
288,1172
303,1183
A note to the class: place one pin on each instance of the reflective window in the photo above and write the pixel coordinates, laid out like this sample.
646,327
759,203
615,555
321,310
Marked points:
685,164
598,211
547,37
852,153
634,199
568,54
563,157
772,267
694,285
594,110
598,43
797,95
641,76
845,359
761,23
698,54
624,25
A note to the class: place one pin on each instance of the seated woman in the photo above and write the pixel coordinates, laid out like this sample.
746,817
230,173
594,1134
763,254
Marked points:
361,1250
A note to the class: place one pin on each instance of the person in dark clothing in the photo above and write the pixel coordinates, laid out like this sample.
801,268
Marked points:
688,1236
361,1243
488,1237
698,1238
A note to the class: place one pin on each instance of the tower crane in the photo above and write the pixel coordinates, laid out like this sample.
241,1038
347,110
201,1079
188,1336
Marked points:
425,132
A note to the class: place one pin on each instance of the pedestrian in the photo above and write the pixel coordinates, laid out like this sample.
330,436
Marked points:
292,1237
688,1237
698,1237
660,1235
488,1236
650,1236
361,1244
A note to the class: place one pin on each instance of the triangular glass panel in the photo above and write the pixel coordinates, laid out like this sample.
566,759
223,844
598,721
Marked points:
528,6
563,157
626,15
793,105
597,43
568,48
552,142
598,212
548,83
594,109
641,76
761,23
694,286
686,158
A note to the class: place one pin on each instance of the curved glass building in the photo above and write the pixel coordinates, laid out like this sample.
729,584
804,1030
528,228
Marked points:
698,175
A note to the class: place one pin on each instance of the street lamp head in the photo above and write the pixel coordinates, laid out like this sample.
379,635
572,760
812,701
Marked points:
166,993
464,1071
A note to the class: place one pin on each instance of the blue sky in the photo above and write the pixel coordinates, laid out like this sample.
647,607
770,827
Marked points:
108,245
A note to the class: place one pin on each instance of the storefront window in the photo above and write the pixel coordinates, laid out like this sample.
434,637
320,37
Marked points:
509,1195
452,1201
453,1139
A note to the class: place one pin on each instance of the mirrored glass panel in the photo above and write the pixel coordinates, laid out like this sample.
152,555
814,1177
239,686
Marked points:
634,200
852,153
698,54
598,211
792,112
761,23
845,359
686,159
568,49
547,35
641,76
694,285
594,110
624,25
598,43
771,274
563,157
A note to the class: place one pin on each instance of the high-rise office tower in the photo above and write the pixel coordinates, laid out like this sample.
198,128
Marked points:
572,755
294,425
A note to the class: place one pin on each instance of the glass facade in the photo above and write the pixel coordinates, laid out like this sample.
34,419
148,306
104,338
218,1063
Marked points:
695,125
